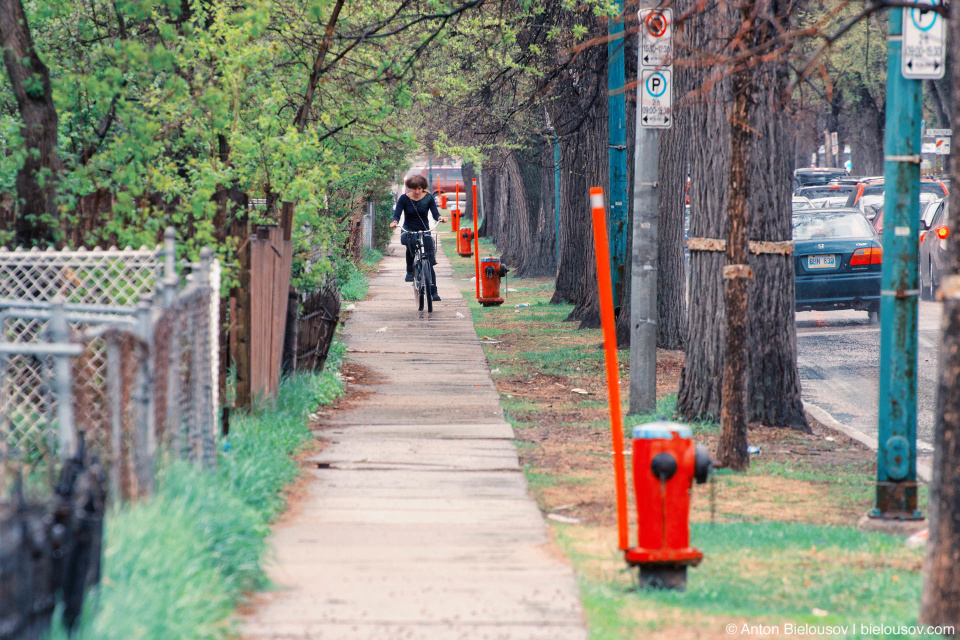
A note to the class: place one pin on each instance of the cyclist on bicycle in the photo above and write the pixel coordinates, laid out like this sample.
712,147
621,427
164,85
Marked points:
417,205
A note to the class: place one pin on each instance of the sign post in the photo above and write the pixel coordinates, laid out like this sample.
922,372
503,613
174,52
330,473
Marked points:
617,153
896,488
654,114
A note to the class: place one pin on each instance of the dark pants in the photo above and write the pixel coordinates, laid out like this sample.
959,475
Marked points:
429,250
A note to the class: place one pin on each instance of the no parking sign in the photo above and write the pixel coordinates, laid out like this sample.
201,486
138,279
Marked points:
656,72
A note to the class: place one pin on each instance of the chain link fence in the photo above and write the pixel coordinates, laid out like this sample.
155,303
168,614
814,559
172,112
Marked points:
126,352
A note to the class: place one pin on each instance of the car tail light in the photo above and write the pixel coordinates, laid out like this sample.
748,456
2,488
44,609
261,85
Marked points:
923,234
942,232
870,255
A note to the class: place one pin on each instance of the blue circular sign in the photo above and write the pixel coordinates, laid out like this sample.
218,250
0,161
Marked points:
656,84
924,19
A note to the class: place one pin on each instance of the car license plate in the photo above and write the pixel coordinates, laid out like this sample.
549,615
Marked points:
821,262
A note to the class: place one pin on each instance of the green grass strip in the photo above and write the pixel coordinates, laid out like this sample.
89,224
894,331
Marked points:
178,565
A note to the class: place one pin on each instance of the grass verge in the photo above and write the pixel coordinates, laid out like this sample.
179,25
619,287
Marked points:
177,566
779,542
357,282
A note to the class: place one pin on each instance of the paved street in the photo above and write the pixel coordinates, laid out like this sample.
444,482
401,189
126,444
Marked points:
416,521
839,360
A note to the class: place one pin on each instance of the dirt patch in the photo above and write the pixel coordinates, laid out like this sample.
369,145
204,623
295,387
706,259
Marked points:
669,367
356,380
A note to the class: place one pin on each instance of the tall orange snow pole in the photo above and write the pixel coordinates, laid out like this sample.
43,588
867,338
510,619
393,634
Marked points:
610,355
476,239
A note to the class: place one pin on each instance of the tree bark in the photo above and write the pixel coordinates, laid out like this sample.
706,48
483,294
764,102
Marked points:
732,448
674,164
700,379
773,382
38,216
941,584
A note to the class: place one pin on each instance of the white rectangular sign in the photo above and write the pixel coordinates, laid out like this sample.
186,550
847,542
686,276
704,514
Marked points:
943,146
923,49
834,143
656,37
656,98
938,133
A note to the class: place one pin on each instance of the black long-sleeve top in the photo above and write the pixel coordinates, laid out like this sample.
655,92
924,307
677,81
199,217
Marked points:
417,214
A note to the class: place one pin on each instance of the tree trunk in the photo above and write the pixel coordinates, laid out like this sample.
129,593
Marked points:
732,448
773,382
37,179
941,584
700,379
579,114
585,166
674,163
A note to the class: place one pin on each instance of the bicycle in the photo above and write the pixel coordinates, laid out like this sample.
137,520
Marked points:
422,278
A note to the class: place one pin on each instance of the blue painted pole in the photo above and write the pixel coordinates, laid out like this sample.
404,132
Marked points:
897,429
617,117
556,191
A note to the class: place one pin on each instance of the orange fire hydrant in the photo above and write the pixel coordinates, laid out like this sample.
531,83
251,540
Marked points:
455,221
443,201
490,273
666,461
465,242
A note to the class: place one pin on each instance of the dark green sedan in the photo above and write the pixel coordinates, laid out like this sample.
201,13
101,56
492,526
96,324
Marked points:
837,256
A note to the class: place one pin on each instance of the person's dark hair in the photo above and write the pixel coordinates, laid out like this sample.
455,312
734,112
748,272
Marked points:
415,182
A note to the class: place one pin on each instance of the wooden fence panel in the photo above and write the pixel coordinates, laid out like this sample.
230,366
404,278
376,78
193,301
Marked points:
271,256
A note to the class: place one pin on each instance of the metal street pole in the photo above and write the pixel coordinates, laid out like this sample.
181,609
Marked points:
617,118
654,112
897,440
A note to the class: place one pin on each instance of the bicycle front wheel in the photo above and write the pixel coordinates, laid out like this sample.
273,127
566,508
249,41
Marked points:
427,281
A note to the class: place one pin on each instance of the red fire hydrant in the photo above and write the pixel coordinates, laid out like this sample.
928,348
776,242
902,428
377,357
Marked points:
666,461
465,242
490,273
455,221
443,201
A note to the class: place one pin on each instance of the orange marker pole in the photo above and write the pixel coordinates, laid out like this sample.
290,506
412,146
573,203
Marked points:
456,202
605,286
476,240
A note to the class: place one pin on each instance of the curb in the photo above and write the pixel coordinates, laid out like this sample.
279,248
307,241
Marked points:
924,467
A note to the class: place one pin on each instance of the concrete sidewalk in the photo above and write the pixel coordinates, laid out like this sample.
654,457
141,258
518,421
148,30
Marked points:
418,525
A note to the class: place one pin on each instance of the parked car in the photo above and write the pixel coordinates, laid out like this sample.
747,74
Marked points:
925,200
933,247
825,191
829,203
815,175
837,258
442,179
874,187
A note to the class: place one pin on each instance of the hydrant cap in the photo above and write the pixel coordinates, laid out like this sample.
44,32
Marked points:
661,431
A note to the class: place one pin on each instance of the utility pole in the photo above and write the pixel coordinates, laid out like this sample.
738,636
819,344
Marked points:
897,437
654,112
617,118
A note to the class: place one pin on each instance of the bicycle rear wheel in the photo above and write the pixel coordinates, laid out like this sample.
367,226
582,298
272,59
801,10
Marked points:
427,281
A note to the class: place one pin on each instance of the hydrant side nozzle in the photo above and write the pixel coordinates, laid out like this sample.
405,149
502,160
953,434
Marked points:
663,466
702,464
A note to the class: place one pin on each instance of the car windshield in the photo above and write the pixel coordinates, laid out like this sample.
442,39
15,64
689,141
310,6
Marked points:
800,202
931,187
873,190
453,174
825,191
831,226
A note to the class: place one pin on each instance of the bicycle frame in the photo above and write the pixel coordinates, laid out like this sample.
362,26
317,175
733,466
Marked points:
422,279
